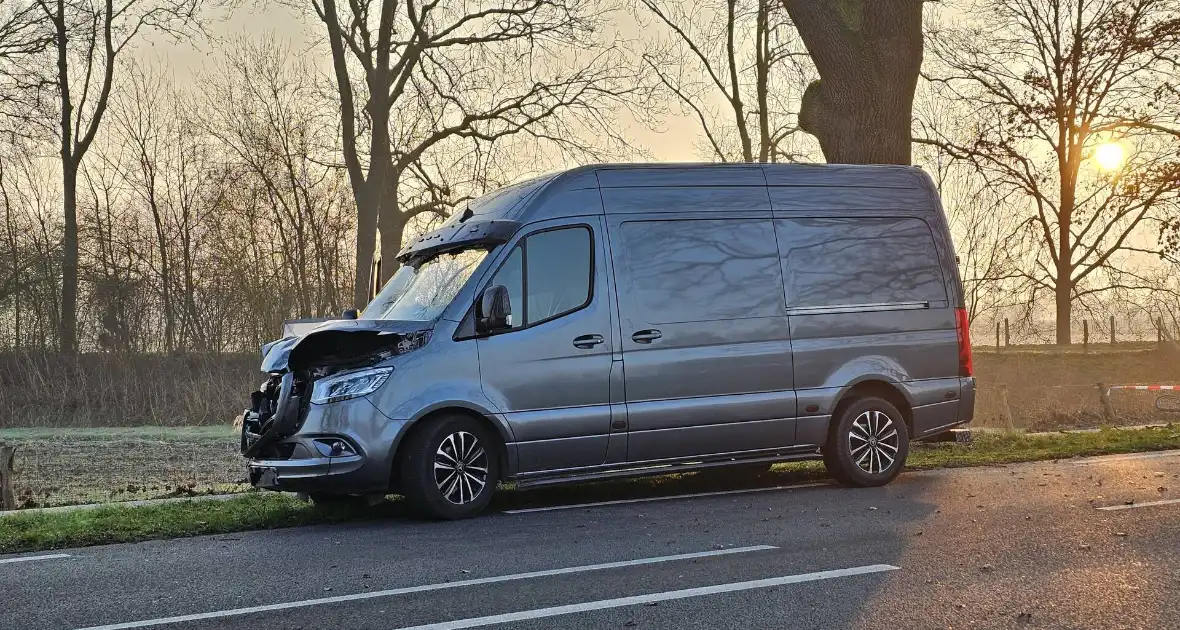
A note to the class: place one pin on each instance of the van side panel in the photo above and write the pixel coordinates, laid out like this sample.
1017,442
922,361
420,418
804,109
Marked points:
697,266
870,297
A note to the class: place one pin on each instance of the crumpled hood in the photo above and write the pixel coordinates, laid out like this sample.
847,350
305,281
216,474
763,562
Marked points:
338,341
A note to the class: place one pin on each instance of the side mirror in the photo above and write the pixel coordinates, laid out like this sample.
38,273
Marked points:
349,313
493,310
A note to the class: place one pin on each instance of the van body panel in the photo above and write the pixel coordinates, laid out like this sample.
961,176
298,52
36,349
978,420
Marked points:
555,396
701,286
934,418
682,199
737,305
671,175
844,176
791,200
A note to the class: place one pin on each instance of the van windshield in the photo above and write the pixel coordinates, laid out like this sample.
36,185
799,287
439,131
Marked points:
421,292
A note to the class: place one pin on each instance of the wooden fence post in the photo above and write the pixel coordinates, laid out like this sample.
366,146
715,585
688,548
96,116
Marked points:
1085,335
1006,409
1007,338
1112,336
1107,407
997,334
7,496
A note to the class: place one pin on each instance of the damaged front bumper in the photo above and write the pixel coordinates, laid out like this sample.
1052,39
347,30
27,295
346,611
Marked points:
338,448
331,474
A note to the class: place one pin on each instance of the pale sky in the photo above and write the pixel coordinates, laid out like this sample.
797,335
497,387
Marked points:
673,142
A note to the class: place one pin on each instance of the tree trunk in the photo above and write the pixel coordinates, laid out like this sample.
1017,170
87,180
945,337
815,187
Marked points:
392,224
762,78
366,243
1064,298
868,54
68,324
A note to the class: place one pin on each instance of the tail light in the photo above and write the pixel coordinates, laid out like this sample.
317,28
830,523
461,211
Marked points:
963,331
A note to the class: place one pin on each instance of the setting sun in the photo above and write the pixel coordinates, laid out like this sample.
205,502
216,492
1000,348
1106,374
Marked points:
1110,156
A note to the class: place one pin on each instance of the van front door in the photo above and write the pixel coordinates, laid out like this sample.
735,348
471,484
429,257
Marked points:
706,346
550,374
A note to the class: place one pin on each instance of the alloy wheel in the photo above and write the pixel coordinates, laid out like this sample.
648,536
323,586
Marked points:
873,441
460,468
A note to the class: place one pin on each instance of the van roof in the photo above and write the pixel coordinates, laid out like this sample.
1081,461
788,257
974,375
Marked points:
748,174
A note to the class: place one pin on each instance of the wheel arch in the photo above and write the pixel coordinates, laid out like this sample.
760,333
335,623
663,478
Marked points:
491,421
879,388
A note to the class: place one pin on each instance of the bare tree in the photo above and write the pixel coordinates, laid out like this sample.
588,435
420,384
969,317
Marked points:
262,109
412,76
22,37
868,54
737,68
90,35
1049,83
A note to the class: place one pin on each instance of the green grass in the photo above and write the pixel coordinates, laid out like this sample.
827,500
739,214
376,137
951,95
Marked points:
259,510
114,524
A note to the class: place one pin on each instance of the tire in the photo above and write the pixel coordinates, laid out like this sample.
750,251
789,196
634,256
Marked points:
858,452
429,467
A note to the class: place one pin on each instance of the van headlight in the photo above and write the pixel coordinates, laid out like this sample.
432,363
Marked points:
349,385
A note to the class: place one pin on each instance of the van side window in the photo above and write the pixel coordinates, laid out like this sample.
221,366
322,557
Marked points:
851,261
511,276
556,278
703,270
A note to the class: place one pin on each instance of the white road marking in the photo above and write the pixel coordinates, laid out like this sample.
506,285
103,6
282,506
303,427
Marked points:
667,498
1112,508
602,604
52,556
218,614
1130,456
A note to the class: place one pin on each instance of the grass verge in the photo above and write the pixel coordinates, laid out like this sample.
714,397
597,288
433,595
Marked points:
257,510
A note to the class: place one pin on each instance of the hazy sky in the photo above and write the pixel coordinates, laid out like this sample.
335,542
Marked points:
674,141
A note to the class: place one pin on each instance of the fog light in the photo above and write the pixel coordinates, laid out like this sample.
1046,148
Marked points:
334,448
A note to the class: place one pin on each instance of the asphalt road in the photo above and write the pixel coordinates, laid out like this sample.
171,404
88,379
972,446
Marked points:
1021,546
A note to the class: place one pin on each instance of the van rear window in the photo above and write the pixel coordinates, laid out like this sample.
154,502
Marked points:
856,261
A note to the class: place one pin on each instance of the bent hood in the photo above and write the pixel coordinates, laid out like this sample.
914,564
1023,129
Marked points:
343,341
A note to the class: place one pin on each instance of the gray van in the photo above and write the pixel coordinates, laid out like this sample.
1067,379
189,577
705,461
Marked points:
623,320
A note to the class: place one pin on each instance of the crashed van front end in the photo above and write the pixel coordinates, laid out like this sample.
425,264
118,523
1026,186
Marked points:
312,426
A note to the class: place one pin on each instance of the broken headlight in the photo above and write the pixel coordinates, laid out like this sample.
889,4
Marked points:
349,385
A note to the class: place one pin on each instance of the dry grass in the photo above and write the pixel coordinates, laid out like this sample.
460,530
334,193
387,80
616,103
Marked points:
102,390
1052,391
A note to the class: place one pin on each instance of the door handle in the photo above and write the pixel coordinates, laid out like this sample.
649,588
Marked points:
646,336
587,341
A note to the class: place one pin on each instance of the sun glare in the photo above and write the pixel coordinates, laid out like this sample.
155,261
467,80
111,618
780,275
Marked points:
1110,156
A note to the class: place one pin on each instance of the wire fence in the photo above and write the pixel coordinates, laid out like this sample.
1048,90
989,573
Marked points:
64,466
1096,332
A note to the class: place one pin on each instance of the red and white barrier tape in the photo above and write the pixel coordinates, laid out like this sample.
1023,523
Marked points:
1150,388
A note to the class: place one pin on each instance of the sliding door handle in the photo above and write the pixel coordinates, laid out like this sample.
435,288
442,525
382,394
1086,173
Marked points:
646,336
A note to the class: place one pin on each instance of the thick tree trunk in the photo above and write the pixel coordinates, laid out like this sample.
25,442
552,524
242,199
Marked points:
1063,295
392,225
868,54
68,325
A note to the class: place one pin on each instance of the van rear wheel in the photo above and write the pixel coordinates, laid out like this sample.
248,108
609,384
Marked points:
868,445
449,468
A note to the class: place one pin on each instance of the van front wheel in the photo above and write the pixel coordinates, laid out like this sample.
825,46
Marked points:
449,468
868,445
